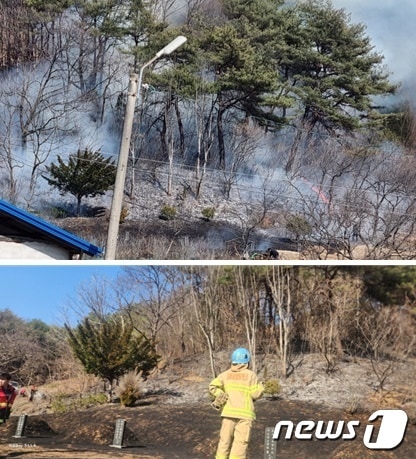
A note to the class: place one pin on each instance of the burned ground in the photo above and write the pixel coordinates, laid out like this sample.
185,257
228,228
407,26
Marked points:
155,429
174,419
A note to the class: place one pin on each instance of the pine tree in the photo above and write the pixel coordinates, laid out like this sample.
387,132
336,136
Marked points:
86,173
237,52
110,347
333,72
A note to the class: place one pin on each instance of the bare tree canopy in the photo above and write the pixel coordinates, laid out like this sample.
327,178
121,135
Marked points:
160,314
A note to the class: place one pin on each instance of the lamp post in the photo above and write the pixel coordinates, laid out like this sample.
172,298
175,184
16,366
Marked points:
134,89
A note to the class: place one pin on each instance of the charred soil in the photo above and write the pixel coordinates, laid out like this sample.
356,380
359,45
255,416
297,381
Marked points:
155,430
173,418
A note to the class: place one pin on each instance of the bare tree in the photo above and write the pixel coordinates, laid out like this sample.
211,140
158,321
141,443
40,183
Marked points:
205,138
244,142
96,298
36,352
278,280
167,10
37,104
11,162
357,203
256,202
18,35
149,297
208,300
248,300
322,318
386,338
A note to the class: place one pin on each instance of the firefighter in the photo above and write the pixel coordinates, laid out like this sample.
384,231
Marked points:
235,391
7,396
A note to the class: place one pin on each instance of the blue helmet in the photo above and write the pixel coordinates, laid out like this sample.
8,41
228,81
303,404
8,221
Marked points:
240,355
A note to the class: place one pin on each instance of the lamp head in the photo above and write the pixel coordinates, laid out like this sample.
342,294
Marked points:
170,47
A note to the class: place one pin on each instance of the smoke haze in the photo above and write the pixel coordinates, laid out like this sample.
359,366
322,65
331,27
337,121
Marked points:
391,26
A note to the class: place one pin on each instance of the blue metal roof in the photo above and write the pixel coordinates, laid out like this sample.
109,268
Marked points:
38,225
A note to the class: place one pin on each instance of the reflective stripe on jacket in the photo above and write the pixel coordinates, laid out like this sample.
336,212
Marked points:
242,387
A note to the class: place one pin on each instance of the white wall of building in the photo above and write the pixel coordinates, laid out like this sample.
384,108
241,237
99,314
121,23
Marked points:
31,250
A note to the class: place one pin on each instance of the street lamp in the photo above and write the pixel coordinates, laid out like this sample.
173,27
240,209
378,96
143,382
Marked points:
135,85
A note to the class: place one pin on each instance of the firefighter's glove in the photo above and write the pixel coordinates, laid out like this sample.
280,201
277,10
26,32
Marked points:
220,401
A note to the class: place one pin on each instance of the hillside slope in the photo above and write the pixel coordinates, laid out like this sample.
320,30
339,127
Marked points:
174,420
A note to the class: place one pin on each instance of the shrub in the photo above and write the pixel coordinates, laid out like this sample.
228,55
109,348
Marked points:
59,405
298,226
167,213
124,214
208,213
272,388
63,403
129,388
58,212
93,399
353,404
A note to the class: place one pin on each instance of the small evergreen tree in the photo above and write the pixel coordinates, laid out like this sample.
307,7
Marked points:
110,347
87,173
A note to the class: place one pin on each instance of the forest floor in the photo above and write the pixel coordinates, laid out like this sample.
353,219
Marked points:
174,419
194,240
239,229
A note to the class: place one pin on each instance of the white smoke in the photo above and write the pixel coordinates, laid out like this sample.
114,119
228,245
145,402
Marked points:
390,25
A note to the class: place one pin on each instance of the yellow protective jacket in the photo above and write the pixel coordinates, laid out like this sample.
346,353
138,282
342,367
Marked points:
242,387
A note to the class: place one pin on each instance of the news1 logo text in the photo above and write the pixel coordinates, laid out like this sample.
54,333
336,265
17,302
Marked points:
389,436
